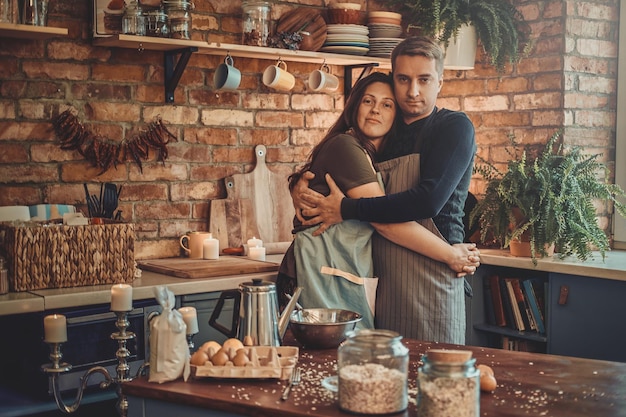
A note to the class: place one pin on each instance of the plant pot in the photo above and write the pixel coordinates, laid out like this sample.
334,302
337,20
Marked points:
461,51
520,248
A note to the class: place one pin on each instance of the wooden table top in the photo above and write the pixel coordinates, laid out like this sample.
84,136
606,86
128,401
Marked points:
529,384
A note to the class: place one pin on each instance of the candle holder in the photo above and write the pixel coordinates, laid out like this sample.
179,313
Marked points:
190,341
56,367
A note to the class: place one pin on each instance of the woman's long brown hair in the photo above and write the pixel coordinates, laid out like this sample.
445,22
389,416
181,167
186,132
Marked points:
348,123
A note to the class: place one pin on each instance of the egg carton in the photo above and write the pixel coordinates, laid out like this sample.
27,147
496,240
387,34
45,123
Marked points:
265,362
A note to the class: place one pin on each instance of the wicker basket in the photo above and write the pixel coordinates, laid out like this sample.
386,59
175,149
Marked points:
51,255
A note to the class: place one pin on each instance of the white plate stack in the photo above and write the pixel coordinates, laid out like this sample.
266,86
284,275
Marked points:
385,32
346,39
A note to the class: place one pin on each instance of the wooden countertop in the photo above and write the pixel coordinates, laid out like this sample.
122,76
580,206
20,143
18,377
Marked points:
528,384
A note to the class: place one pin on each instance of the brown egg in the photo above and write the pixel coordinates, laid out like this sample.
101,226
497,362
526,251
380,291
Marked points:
487,380
485,369
210,344
220,358
199,358
232,343
488,383
241,358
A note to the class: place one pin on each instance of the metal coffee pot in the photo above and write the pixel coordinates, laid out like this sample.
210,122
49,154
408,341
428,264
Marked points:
256,320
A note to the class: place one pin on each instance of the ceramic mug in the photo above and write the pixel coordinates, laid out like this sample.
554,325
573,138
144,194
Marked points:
277,77
323,80
226,77
193,243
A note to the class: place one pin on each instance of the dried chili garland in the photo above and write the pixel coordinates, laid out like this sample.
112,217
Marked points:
104,154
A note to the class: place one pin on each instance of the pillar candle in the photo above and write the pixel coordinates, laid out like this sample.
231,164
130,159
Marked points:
257,253
211,248
190,317
254,242
121,297
55,328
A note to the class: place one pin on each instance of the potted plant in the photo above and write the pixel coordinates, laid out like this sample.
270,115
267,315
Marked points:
546,200
499,25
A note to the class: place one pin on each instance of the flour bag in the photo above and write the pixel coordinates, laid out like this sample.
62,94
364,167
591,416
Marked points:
169,352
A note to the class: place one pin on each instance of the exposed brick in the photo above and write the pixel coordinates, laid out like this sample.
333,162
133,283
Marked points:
225,117
52,152
22,173
265,101
113,112
101,91
65,50
210,97
13,153
176,115
548,118
7,109
492,103
587,65
597,48
83,171
582,101
160,210
210,136
307,137
54,70
533,101
308,102
594,118
251,137
26,131
120,73
184,152
279,119
508,85
18,195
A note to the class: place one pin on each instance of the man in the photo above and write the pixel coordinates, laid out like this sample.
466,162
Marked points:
443,142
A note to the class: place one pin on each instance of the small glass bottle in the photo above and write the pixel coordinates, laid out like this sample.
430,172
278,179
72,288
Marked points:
133,21
448,385
4,277
372,368
256,23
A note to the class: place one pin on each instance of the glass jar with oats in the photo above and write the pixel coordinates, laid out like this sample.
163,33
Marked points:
448,384
372,370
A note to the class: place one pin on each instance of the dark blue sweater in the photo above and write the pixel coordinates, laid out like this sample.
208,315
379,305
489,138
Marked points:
447,146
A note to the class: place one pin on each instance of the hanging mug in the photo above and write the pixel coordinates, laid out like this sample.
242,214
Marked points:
226,76
322,80
277,77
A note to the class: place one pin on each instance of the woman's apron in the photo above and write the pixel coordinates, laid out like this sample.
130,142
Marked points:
417,297
335,269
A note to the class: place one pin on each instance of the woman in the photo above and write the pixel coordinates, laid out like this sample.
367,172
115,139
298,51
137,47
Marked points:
334,268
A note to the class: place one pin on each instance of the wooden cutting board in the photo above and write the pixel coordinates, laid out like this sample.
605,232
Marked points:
232,221
271,201
201,268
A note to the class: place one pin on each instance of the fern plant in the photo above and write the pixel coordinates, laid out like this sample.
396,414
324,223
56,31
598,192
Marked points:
499,25
548,199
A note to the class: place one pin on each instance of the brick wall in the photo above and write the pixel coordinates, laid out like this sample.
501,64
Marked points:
567,81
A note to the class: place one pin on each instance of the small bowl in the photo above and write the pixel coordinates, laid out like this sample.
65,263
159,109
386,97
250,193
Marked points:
345,16
322,328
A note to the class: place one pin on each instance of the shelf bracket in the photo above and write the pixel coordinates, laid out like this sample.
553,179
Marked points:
347,75
174,70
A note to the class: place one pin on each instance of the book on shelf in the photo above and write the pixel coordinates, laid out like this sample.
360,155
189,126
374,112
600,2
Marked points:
515,305
533,303
522,302
498,307
507,305
521,345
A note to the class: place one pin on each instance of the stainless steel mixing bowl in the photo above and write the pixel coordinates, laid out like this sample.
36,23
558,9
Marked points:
322,328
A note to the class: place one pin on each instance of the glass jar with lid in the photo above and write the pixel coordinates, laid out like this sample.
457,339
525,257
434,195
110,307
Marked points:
372,369
256,23
448,384
133,20
179,18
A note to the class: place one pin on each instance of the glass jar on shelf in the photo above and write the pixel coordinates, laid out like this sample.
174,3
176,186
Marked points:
256,23
179,18
156,22
133,20
372,369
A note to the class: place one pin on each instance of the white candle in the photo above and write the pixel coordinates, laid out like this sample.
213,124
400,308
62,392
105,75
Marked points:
55,328
121,297
211,249
254,242
190,318
257,253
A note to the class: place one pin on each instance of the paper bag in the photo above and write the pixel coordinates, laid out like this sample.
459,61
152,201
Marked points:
169,352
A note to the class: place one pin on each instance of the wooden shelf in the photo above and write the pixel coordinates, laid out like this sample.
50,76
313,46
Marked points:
12,30
244,51
505,331
183,49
